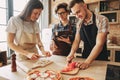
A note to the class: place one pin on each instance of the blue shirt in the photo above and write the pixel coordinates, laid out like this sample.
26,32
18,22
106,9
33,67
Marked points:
68,30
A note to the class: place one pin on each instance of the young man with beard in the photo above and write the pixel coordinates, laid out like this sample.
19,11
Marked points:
92,29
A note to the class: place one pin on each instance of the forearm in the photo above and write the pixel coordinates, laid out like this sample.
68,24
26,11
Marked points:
39,43
41,47
17,49
94,53
100,40
74,47
13,46
75,44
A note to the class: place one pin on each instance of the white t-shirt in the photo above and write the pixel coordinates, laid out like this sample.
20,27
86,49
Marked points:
17,25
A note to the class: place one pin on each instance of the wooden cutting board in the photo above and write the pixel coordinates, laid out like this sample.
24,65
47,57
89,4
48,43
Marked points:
73,72
80,78
28,65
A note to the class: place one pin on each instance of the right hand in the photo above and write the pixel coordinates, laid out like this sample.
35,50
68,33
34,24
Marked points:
66,40
47,53
70,58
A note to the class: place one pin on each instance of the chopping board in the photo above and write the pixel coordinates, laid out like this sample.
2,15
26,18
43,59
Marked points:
41,63
28,65
73,72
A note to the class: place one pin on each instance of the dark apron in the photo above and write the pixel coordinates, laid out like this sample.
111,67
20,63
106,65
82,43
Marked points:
63,48
88,36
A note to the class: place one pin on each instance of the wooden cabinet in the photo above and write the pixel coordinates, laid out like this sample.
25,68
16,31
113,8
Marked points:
3,58
113,16
108,8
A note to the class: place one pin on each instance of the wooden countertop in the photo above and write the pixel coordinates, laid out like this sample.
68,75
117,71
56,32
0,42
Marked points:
113,48
97,70
116,47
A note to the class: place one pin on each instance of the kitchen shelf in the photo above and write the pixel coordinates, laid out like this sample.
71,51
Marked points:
108,8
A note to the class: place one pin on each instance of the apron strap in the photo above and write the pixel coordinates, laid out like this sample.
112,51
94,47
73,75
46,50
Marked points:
23,31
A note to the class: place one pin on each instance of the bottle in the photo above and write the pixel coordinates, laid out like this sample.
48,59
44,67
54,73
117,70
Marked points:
105,6
13,63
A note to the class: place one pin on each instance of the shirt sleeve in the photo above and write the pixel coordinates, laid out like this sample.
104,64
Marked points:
11,27
102,24
53,30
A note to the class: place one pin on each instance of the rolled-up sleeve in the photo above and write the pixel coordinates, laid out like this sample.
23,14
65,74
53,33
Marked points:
102,24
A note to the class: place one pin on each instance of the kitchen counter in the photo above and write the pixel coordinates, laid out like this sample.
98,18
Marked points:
97,70
113,48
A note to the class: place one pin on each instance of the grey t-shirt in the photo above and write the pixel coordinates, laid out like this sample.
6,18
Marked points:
17,25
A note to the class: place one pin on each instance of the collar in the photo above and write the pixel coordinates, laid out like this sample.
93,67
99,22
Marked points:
61,25
90,21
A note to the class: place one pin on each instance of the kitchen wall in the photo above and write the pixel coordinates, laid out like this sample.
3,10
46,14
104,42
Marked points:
53,5
114,34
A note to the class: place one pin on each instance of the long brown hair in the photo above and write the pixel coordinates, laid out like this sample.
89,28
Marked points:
32,4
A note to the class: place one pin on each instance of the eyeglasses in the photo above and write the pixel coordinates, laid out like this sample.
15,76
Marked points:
61,13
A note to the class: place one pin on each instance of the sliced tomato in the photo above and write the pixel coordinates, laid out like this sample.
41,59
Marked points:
69,67
64,70
72,65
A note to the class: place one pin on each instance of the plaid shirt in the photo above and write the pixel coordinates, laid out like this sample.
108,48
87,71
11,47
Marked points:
101,23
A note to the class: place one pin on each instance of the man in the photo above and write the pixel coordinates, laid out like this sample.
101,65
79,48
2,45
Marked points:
92,29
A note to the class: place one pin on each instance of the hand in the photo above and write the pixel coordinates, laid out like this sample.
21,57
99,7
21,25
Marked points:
69,58
47,53
67,40
82,65
35,56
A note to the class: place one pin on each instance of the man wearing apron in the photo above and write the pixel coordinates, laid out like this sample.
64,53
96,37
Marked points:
23,32
92,29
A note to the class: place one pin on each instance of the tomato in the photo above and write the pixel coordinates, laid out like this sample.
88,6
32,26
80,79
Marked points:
69,67
72,65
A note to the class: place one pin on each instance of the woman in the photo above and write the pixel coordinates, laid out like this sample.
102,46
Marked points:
63,33
23,32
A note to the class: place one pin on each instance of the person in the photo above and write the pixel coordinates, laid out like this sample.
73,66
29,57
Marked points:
23,32
92,29
63,33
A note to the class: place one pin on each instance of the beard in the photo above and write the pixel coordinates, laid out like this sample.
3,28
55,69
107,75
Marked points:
87,15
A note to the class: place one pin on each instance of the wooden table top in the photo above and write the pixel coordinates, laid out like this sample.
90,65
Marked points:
97,70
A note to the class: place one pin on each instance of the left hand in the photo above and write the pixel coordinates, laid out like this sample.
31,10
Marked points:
82,65
70,58
67,40
47,53
35,56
